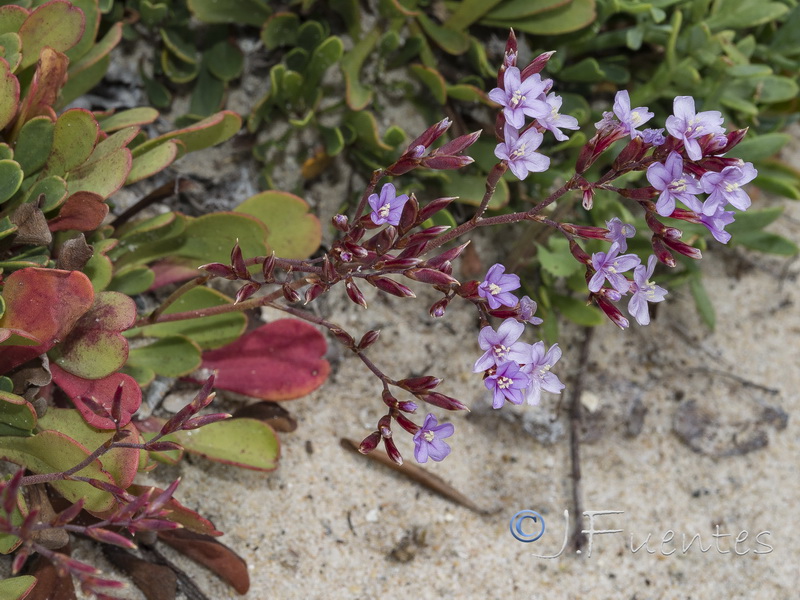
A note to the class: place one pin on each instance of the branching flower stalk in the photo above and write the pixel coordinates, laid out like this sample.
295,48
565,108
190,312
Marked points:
393,240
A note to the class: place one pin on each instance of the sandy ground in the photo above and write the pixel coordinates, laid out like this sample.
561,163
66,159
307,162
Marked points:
330,524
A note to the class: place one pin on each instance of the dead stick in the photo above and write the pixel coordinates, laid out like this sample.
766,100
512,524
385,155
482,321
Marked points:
578,538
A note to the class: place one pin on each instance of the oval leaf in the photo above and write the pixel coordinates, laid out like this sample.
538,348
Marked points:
244,443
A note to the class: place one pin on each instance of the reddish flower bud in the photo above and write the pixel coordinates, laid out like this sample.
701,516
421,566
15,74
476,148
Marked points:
218,270
404,164
579,253
537,65
585,231
419,384
588,199
388,399
433,207
446,163
329,274
237,262
384,241
199,422
644,193
661,251
343,337
430,276
390,286
385,426
109,537
392,451
268,268
10,491
430,135
682,248
407,406
369,443
398,263
411,250
442,401
734,137
162,447
439,307
19,560
658,227
612,312
339,222
247,290
357,251
447,256
354,293
314,291
289,292
408,218
368,339
406,423
633,152
97,408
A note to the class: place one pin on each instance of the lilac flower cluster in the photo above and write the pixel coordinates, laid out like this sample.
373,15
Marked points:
515,371
525,93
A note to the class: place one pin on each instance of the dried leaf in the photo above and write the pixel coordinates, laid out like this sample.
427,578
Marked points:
50,585
74,254
31,225
157,582
271,413
82,211
213,555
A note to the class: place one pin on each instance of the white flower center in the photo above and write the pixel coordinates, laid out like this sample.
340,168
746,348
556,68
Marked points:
679,185
500,351
731,187
516,98
518,152
383,212
429,436
504,382
636,118
494,289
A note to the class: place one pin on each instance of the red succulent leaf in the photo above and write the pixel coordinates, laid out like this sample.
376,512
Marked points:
178,513
83,211
213,555
44,303
103,391
278,361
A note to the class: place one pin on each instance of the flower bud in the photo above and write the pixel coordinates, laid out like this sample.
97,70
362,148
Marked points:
407,406
439,307
612,312
290,293
658,227
430,276
644,193
368,339
419,384
588,199
237,262
390,286
442,401
579,253
430,135
314,291
661,251
537,65
247,290
109,537
268,268
634,151
388,399
219,270
354,293
682,248
392,451
398,263
408,218
369,443
385,426
406,423
339,222
447,256
439,162
199,422
343,337
433,207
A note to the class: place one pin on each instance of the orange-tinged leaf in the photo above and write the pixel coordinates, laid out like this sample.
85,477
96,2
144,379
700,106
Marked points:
45,303
50,75
82,211
9,94
102,390
281,360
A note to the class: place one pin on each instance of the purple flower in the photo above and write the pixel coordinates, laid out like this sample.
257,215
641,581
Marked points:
619,232
519,151
629,118
501,345
518,96
538,369
497,287
674,184
428,440
507,383
527,308
654,137
717,223
687,125
725,187
644,291
546,114
388,207
611,266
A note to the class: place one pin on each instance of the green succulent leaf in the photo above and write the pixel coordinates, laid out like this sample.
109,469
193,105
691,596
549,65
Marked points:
292,231
143,115
450,40
17,588
153,161
57,24
17,413
172,356
132,281
741,14
245,12
52,451
91,68
11,177
74,138
178,71
578,311
225,60
432,80
519,9
468,12
33,144
280,30
762,146
556,258
247,443
567,18
9,92
208,332
209,132
357,94
54,190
